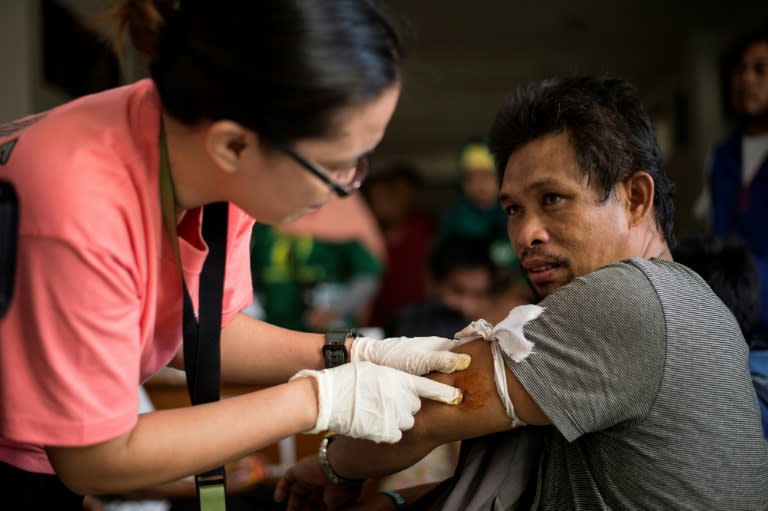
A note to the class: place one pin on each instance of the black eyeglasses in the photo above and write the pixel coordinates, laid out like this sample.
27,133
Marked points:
349,180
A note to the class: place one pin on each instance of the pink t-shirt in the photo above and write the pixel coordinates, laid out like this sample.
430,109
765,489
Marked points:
97,305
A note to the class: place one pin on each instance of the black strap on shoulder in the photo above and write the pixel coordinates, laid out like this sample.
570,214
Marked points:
9,232
202,336
202,354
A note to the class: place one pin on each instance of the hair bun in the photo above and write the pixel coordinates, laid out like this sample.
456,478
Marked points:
143,20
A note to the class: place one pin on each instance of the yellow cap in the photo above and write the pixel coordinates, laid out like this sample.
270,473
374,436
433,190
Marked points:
476,157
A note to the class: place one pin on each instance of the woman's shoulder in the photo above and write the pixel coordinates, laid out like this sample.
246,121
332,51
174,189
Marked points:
85,160
118,124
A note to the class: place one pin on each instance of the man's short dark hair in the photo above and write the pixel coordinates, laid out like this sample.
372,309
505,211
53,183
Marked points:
606,125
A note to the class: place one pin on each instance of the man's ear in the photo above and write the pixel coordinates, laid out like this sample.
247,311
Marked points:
640,190
226,141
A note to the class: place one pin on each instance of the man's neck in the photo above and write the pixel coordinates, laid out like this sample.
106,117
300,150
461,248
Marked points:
663,253
651,244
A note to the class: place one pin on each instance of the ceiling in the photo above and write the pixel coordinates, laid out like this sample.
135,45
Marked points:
465,57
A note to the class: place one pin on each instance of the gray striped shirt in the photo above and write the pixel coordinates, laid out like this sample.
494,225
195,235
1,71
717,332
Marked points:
643,373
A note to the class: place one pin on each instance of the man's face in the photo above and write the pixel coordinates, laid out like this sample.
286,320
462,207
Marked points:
466,290
556,221
749,82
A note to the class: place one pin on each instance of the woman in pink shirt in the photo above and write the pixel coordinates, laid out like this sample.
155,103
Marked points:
269,107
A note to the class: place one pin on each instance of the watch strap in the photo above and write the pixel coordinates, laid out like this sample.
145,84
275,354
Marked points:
335,350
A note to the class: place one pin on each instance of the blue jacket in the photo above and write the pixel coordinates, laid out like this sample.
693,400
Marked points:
742,210
758,368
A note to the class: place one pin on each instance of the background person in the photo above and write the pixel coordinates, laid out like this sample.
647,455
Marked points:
408,230
476,211
737,180
460,280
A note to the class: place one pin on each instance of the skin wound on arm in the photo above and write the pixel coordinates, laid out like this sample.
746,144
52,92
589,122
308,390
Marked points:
480,411
474,388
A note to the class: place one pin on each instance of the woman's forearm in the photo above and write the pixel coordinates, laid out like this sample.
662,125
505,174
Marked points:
169,444
255,352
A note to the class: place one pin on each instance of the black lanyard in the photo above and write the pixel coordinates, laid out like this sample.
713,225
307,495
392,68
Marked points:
202,352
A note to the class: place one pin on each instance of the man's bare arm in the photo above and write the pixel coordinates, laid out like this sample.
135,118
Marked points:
480,413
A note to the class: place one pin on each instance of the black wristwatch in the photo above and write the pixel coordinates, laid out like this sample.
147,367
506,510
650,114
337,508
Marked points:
335,348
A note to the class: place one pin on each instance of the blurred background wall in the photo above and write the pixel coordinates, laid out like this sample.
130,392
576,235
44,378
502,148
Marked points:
463,59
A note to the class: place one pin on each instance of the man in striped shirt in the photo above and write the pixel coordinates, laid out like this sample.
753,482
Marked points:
638,376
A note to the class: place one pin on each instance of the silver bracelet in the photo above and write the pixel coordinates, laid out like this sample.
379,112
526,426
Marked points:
322,455
398,499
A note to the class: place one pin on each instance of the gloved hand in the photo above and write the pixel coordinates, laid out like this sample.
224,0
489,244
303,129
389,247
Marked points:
365,400
415,355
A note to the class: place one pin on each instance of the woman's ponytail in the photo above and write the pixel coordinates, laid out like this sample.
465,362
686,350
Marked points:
142,20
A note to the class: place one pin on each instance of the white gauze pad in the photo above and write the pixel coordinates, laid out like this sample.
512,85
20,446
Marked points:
505,338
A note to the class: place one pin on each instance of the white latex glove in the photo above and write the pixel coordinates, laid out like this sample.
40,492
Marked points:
365,400
415,355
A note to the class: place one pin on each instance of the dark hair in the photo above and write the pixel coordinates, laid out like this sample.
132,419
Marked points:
458,252
605,124
281,68
730,60
729,268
